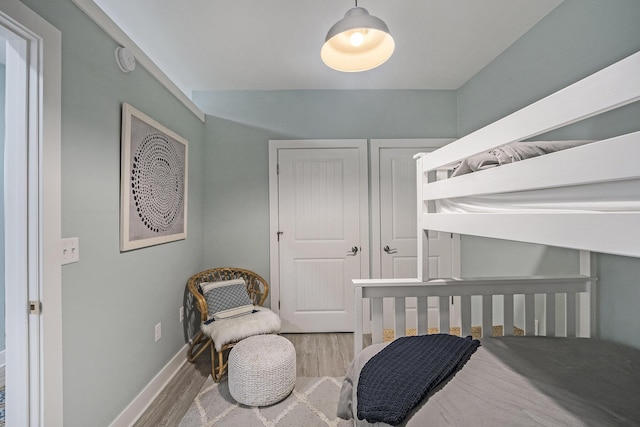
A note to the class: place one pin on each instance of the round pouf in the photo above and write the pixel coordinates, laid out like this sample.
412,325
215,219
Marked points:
262,370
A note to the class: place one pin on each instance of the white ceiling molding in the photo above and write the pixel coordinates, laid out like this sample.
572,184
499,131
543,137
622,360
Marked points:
94,12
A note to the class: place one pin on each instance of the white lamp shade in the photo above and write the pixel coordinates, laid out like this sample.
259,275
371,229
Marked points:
368,49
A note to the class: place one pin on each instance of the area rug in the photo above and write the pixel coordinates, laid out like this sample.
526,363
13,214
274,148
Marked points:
2,407
312,403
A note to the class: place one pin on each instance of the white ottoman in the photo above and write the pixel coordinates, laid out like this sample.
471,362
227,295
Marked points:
262,370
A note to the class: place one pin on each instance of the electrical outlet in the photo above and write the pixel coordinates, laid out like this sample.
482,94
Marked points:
181,313
70,250
158,331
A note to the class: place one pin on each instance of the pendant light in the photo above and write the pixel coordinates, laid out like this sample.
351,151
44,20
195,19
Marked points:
358,42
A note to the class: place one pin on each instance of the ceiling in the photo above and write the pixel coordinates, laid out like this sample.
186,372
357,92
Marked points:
206,45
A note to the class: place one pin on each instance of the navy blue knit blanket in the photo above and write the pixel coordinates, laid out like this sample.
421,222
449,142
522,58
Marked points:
403,373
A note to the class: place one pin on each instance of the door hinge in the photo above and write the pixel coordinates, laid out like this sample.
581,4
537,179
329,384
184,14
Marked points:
278,305
279,233
35,307
277,169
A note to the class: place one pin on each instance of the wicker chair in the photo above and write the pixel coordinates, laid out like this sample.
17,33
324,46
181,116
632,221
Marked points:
258,290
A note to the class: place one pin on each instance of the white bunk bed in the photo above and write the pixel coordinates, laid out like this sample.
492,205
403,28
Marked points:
601,178
606,173
587,224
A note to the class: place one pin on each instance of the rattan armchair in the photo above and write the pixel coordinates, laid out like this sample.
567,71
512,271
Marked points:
258,290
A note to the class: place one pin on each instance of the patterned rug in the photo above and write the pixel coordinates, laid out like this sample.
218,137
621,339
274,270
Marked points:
313,402
2,409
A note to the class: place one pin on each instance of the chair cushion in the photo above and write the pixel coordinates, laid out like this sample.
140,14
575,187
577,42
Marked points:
225,331
226,298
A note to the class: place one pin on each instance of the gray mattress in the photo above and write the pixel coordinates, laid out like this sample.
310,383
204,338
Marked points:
526,381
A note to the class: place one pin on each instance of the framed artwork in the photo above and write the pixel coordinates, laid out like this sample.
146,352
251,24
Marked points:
154,161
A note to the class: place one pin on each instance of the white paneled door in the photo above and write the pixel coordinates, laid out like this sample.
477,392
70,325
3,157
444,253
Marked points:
398,221
395,219
322,214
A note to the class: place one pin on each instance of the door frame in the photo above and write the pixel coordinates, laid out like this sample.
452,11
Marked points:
274,252
377,145
44,225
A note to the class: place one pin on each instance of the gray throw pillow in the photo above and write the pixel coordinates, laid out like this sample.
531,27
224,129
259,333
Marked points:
227,298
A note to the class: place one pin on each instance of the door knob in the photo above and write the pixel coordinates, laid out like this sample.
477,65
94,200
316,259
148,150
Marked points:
390,251
354,251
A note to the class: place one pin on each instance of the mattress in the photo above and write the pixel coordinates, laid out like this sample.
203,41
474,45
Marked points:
615,196
605,196
526,381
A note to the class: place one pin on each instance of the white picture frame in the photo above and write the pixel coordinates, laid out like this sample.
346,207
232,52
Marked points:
154,188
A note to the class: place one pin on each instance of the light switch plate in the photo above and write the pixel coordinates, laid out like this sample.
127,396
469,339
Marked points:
158,331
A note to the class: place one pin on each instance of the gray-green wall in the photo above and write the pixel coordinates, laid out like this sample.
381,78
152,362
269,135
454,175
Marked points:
337,114
111,300
578,38
237,197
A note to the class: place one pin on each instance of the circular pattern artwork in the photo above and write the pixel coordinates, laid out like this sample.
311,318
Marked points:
157,182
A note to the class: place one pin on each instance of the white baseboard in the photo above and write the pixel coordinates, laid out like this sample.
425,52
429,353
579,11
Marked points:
148,394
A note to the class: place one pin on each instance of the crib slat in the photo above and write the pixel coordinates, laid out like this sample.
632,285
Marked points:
529,314
508,315
423,315
376,320
400,317
445,324
357,336
487,315
571,320
587,301
550,312
465,313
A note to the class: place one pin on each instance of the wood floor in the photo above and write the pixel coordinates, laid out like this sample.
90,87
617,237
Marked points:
317,355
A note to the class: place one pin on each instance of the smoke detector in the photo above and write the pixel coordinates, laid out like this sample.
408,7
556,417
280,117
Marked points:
125,59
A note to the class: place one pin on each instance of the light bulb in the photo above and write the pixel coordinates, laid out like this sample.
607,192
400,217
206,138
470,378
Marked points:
356,39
